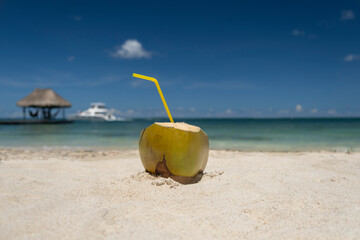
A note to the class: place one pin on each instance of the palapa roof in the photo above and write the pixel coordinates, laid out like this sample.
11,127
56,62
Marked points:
43,98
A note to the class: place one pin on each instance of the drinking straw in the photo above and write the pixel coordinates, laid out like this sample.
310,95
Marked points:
159,90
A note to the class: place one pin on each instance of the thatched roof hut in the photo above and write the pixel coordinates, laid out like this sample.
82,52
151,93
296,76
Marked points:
44,98
44,101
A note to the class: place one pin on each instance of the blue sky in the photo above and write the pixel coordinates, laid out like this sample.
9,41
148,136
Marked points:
212,58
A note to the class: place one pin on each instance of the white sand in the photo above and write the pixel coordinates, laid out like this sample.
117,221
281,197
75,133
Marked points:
68,194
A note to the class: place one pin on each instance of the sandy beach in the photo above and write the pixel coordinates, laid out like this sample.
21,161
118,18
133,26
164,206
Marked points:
93,194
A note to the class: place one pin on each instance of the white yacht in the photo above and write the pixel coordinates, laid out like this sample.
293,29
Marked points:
97,112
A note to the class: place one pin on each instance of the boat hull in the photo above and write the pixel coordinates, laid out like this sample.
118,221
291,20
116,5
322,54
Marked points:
96,119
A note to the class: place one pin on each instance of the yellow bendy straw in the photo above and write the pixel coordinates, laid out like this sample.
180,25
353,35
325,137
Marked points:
159,90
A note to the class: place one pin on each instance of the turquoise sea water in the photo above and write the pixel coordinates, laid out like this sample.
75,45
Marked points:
236,134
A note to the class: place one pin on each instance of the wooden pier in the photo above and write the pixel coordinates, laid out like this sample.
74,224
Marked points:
33,121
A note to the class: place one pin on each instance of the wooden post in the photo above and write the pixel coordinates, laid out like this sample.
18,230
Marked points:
24,113
63,113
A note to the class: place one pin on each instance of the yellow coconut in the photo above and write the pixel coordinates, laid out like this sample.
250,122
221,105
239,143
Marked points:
176,150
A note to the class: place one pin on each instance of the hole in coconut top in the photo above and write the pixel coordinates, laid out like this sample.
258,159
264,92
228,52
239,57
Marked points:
179,125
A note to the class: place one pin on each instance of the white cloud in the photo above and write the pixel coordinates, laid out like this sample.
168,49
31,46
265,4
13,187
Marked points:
228,111
297,32
102,81
52,78
31,81
76,18
283,111
351,57
131,49
192,109
16,114
71,58
137,83
130,112
223,85
347,15
314,110
299,108
301,33
332,111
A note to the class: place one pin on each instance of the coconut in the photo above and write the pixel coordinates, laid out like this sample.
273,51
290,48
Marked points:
176,150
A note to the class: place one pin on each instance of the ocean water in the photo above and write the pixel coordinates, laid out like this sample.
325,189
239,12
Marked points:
235,134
